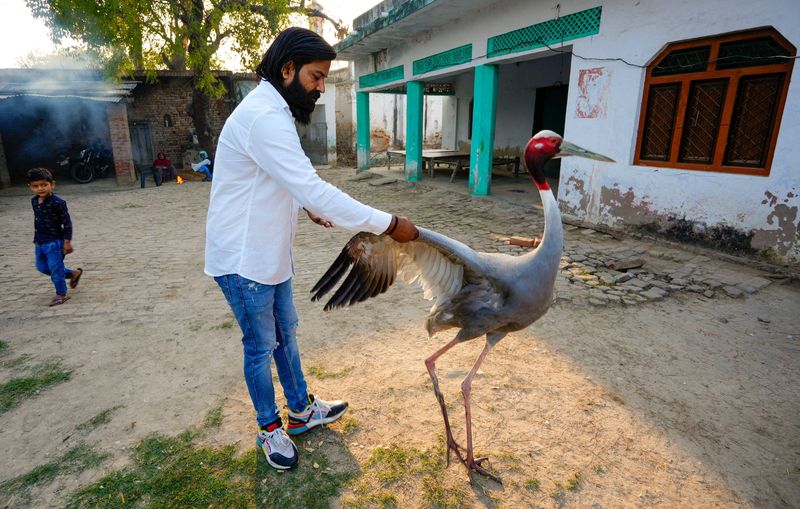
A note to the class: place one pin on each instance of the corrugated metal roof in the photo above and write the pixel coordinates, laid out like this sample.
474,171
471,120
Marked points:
91,90
80,84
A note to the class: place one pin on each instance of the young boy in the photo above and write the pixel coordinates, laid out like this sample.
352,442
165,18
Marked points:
53,237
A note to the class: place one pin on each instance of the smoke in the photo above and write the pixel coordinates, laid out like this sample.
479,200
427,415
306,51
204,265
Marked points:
54,116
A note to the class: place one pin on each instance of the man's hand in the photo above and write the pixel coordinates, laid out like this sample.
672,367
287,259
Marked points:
402,230
68,247
319,220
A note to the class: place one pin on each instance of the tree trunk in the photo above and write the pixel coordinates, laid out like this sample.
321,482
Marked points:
200,106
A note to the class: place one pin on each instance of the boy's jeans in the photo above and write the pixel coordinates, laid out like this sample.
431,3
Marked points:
268,320
50,261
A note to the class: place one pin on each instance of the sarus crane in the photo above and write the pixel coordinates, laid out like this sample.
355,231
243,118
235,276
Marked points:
478,293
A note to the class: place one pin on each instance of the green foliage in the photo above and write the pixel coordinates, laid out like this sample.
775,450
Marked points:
132,35
3,347
77,459
18,389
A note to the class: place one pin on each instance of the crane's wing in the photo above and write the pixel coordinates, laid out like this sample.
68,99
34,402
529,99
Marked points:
439,264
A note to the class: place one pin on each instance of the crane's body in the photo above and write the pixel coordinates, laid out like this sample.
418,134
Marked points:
481,294
501,293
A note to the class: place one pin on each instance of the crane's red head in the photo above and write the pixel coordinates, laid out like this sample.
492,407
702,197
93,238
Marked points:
546,145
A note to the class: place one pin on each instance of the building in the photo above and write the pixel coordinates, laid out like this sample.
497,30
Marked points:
694,100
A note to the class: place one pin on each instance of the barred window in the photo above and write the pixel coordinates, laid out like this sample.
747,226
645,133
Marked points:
715,104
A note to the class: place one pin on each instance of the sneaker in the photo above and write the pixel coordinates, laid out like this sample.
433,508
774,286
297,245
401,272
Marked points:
315,413
280,451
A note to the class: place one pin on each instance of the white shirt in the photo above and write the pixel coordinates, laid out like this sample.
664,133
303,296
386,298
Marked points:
262,178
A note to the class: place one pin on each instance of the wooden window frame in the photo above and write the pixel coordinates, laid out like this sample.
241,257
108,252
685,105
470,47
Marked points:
684,80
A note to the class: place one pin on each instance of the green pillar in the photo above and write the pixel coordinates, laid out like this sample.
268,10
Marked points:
483,115
362,130
414,109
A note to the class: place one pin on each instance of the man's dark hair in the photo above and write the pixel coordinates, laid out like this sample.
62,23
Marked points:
35,174
299,45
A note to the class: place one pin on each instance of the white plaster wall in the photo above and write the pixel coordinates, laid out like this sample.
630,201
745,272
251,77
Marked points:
620,194
596,192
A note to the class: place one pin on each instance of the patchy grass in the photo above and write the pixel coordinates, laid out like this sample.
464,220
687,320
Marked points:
3,347
213,418
394,468
177,473
570,485
321,373
16,363
349,425
77,459
103,417
17,390
227,324
532,484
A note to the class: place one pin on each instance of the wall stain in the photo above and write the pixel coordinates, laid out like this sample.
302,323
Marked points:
784,237
624,209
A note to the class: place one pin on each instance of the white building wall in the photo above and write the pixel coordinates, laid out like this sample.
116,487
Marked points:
622,194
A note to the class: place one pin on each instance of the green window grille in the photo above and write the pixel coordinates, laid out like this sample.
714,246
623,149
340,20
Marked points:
565,28
449,58
381,77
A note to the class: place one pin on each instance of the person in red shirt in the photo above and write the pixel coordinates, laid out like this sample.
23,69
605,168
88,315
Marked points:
164,165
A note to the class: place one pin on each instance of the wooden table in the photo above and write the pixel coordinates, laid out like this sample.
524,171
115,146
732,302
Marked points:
453,159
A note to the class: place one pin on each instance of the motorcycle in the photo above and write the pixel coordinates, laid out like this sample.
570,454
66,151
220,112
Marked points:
89,164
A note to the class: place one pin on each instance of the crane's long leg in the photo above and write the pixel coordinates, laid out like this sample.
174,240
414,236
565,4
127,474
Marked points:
466,389
430,363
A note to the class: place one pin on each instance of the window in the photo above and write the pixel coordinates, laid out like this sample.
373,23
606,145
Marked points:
715,104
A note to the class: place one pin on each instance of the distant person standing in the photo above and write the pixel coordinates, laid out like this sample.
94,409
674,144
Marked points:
53,234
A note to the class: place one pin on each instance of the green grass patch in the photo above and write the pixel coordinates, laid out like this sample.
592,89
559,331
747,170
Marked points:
103,417
77,459
321,373
17,390
3,347
395,469
227,324
532,484
16,363
213,418
349,426
178,473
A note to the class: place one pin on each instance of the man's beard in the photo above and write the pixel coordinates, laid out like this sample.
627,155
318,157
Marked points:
301,103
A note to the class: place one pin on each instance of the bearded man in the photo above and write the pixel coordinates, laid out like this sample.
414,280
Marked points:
262,178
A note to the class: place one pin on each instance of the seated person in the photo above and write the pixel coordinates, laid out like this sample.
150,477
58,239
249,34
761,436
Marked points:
204,166
164,167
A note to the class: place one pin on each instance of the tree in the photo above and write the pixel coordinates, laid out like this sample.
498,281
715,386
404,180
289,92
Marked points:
146,35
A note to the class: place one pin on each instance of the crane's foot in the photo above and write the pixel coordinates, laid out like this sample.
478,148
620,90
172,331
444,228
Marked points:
453,446
476,466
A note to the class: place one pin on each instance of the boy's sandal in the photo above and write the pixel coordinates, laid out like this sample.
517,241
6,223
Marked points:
74,280
59,299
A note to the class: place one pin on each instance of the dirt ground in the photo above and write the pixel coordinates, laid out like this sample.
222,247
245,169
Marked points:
690,401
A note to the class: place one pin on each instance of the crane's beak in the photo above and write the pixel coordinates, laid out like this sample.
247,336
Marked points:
569,149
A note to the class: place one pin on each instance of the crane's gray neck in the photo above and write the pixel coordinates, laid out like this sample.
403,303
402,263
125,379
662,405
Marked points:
553,239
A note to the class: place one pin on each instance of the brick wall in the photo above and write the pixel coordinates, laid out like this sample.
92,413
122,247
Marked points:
121,143
172,97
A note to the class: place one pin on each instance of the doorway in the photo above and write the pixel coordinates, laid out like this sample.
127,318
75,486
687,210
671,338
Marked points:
550,113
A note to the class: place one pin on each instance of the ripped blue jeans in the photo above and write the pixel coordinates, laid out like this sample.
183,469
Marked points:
268,320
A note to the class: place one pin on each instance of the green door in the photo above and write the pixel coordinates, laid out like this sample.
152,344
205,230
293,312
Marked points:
550,112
